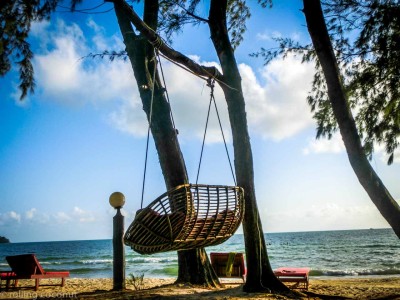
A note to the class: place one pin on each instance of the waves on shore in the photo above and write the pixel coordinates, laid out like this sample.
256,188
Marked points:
329,253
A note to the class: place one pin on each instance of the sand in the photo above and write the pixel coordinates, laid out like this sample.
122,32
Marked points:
75,288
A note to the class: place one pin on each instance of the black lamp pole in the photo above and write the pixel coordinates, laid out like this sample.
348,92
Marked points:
117,200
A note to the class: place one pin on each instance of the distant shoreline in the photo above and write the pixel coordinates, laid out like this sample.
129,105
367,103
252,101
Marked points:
4,240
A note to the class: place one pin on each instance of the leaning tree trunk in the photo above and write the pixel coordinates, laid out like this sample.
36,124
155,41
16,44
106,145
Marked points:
259,272
193,265
371,182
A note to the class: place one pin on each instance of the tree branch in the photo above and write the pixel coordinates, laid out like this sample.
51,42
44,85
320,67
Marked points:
198,18
159,44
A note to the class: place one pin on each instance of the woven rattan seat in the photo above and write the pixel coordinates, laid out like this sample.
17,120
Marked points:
186,217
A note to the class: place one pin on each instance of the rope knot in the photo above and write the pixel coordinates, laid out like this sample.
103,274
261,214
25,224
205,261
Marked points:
157,43
211,82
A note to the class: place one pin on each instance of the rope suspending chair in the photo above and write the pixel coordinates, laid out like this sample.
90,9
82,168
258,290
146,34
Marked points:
190,215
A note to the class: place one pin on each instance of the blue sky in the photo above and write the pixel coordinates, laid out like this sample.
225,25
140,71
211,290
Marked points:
81,136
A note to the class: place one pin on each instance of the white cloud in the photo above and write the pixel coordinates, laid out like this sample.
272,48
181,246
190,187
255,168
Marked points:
323,145
189,97
130,118
37,225
278,109
77,215
296,36
63,74
62,217
335,145
38,217
267,35
9,217
30,213
82,215
35,216
328,216
14,216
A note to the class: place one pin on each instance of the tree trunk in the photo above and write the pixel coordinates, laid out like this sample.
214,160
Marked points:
195,268
194,265
371,182
259,272
260,275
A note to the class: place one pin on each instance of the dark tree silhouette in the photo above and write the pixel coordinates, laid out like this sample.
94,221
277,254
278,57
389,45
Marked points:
356,48
371,182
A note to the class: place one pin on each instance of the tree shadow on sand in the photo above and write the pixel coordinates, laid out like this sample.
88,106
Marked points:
185,291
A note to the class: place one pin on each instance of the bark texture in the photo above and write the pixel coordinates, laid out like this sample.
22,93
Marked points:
194,265
366,175
260,275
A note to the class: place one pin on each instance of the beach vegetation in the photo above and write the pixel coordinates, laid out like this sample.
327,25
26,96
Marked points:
136,281
356,50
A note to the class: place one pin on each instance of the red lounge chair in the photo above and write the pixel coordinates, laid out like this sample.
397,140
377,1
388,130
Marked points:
219,262
26,266
8,276
297,275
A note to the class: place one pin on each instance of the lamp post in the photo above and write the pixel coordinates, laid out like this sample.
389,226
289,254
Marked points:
117,200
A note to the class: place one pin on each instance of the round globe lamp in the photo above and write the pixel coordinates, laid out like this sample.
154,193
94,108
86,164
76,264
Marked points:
117,200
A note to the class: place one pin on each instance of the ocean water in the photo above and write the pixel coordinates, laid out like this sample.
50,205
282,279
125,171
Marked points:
327,253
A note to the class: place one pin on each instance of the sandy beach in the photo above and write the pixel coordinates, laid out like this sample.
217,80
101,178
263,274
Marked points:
341,288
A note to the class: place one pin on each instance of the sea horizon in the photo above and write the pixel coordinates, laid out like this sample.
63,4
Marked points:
240,233
333,253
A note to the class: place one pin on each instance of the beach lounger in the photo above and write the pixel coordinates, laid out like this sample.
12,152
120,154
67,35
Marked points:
228,265
26,266
299,276
9,277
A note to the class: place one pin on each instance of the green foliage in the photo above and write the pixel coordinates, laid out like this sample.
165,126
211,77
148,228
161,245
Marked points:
174,15
111,55
265,3
321,106
366,40
238,12
16,18
136,281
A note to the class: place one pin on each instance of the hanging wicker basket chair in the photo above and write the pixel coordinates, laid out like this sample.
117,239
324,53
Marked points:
186,217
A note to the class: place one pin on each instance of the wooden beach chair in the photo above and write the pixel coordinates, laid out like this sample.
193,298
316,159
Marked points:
26,266
298,276
228,265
